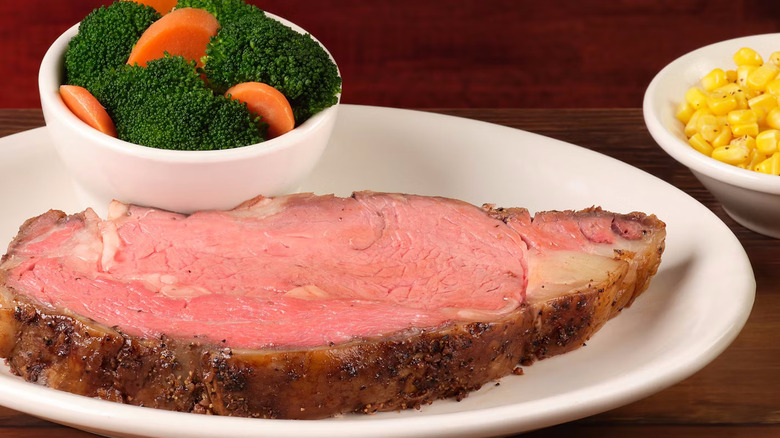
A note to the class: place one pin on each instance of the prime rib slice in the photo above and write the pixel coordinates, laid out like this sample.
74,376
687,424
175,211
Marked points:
308,306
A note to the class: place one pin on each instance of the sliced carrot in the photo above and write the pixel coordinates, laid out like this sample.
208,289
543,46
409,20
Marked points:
267,102
84,105
161,6
184,32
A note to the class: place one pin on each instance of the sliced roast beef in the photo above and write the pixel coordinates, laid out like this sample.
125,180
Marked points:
298,271
308,306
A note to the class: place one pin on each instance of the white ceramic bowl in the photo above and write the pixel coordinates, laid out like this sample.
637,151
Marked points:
105,168
750,198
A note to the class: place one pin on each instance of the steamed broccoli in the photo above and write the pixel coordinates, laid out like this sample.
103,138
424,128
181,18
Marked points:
225,11
105,40
167,105
255,48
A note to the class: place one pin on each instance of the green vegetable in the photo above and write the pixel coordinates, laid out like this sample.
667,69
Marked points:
167,105
105,39
225,11
255,48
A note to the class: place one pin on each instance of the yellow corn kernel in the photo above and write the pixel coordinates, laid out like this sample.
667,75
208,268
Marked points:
708,126
721,103
696,98
761,76
763,102
700,144
747,56
773,87
742,99
732,88
749,129
770,166
761,118
693,124
774,58
741,117
728,88
746,140
767,141
714,79
743,72
731,76
736,91
691,127
773,118
754,158
684,112
732,153
723,138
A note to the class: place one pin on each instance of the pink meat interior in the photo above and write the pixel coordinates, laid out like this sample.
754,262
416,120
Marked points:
295,271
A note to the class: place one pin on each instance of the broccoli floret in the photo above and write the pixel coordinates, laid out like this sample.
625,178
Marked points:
225,11
256,48
167,105
105,39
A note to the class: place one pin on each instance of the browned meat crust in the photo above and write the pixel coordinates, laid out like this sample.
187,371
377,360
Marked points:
409,369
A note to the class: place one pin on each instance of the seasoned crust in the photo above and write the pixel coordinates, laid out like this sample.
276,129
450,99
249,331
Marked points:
404,370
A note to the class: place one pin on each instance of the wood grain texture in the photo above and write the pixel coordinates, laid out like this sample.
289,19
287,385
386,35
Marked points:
736,396
455,53
18,120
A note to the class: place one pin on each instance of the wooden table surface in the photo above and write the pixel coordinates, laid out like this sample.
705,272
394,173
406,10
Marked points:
737,395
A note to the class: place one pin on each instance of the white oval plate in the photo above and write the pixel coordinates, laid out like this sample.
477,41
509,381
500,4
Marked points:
694,308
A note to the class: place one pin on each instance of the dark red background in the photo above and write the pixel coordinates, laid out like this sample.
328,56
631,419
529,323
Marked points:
454,53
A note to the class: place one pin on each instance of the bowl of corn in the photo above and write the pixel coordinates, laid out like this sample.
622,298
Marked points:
716,110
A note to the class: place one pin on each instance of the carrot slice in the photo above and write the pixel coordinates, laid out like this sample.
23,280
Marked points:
268,102
184,32
161,6
84,105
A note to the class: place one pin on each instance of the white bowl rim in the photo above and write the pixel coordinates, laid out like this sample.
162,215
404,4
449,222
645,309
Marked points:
682,151
50,77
